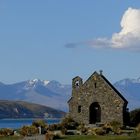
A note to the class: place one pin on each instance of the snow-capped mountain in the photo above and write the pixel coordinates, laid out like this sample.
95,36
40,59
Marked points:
130,89
50,93
30,84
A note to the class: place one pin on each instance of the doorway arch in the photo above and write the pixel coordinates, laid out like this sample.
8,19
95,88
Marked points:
94,113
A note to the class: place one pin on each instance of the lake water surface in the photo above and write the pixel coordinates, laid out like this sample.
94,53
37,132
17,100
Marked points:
18,123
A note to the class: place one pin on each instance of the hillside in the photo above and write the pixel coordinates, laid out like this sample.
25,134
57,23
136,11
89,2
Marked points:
20,109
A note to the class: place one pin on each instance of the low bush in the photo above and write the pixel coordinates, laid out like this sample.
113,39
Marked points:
63,130
100,131
6,132
82,129
107,127
96,131
39,123
69,123
66,124
42,124
115,127
28,130
137,130
49,135
53,127
135,117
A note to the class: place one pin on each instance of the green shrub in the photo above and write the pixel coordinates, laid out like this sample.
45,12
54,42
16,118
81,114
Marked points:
107,127
96,131
28,130
135,117
115,126
53,127
6,132
63,130
69,123
42,124
49,135
82,129
138,129
100,131
39,123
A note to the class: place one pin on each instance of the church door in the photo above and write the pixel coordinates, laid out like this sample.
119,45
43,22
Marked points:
94,113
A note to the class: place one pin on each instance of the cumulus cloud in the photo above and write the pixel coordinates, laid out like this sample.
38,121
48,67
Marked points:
128,38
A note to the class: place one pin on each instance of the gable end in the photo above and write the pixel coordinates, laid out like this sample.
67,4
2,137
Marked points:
114,88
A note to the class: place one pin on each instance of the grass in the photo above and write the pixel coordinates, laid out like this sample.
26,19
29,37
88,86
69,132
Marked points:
101,138
84,137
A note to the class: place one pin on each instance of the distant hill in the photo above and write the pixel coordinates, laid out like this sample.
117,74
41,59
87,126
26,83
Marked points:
20,109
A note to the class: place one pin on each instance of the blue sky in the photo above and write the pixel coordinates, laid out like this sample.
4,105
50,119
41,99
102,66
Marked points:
59,39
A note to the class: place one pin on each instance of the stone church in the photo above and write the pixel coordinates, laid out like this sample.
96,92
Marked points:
96,101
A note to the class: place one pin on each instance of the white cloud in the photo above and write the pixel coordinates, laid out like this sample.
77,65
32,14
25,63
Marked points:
128,38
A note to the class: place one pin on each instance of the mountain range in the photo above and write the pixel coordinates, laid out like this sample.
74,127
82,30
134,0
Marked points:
130,89
56,95
48,93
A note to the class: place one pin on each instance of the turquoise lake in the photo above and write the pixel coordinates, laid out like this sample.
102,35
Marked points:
17,123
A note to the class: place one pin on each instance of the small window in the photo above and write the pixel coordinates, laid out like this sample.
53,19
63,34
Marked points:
79,109
95,85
